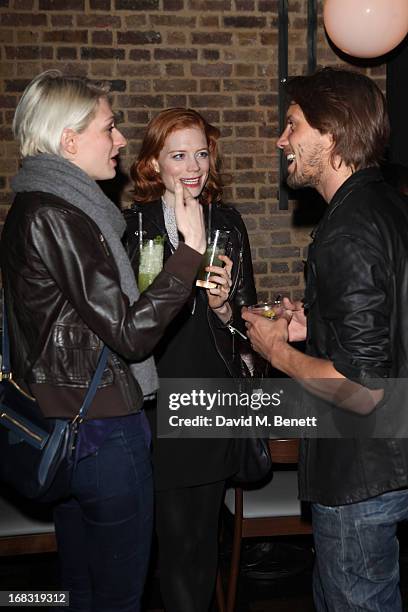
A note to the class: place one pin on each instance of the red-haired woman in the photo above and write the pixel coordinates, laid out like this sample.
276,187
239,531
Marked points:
201,342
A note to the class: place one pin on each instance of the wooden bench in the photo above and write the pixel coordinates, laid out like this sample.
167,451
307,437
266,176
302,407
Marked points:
25,528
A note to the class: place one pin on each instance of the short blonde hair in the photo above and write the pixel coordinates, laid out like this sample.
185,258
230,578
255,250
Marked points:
51,103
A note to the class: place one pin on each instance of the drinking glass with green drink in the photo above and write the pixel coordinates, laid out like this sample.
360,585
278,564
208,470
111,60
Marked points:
150,261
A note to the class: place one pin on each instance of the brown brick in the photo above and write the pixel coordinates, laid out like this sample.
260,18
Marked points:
6,36
136,5
244,84
211,38
260,267
23,19
245,22
209,21
100,5
209,5
209,101
176,70
244,146
102,37
251,177
175,100
67,53
245,193
298,266
245,100
22,5
278,281
211,55
244,70
29,52
139,38
67,36
245,5
171,85
139,55
135,21
92,53
62,21
251,208
210,86
265,131
269,38
211,70
27,37
103,20
176,38
245,131
15,85
279,267
267,99
138,117
175,54
173,5
140,101
251,225
270,6
138,70
281,252
279,238
139,86
57,5
243,163
274,222
175,21
241,116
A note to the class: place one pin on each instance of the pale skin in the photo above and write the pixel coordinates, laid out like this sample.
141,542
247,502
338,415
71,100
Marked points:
183,164
95,150
271,338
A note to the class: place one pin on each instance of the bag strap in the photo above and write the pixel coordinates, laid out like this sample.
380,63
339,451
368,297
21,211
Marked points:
96,378
5,344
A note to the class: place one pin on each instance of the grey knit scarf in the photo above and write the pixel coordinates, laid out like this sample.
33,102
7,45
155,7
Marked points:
58,176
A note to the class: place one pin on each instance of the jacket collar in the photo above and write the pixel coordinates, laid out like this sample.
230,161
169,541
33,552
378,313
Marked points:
357,179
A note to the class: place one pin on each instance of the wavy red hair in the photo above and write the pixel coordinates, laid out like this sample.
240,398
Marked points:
148,185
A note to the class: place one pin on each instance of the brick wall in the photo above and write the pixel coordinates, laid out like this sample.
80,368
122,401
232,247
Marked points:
217,56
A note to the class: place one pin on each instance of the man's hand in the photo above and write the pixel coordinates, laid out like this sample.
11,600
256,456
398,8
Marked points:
189,218
268,338
297,325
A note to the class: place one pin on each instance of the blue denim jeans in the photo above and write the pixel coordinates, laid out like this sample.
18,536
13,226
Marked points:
104,531
357,554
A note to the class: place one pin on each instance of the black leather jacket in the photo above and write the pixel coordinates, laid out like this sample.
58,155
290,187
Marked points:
62,288
356,302
243,292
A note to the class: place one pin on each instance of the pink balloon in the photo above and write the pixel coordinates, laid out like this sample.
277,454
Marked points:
366,28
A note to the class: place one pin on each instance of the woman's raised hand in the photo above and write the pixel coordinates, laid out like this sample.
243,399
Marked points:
189,218
218,297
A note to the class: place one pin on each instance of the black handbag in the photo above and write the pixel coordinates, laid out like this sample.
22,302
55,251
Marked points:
255,461
37,454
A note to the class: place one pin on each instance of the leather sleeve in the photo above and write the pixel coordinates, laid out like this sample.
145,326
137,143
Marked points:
354,288
70,247
245,293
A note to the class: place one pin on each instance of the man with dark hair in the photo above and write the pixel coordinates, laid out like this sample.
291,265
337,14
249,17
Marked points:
353,320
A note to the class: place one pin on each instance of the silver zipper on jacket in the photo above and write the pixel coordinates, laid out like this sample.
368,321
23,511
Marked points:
240,260
105,246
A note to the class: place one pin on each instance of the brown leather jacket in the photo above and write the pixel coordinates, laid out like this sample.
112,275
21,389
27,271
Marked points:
64,301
